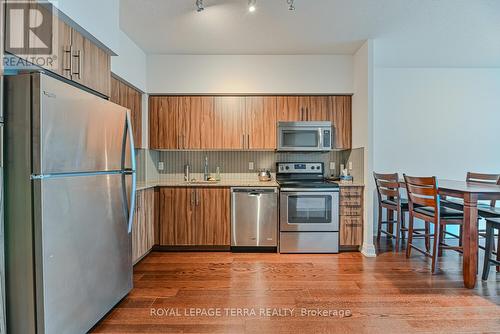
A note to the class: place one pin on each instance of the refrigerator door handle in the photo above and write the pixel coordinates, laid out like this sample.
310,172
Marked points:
132,171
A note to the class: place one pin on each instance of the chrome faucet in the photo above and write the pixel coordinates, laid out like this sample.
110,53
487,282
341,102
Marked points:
206,175
187,172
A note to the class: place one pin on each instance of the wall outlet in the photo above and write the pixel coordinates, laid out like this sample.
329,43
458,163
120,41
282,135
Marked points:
350,165
250,165
161,165
332,165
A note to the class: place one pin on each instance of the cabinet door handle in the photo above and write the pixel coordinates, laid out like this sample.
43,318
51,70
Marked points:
79,57
192,197
248,141
243,141
68,60
197,198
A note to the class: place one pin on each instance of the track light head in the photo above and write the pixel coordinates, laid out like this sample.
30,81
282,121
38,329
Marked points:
199,6
252,5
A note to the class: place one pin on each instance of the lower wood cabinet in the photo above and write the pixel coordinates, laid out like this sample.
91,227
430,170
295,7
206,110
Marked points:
143,233
197,216
351,216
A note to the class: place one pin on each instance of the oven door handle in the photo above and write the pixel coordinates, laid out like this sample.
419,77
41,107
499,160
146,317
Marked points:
301,192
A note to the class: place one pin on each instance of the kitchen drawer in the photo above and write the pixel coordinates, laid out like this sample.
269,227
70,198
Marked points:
351,210
351,191
350,200
351,230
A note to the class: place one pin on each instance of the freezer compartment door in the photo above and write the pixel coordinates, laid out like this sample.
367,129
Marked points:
254,220
85,267
75,131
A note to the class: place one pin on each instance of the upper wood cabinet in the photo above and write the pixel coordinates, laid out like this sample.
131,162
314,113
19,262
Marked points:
341,118
130,98
260,122
303,108
194,216
240,122
77,58
230,121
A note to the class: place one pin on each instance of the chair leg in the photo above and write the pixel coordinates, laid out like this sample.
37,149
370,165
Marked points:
487,251
410,236
498,247
460,234
427,237
441,240
398,229
437,233
379,223
403,225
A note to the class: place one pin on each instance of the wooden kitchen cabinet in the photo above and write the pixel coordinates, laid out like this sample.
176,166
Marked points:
163,132
260,122
303,108
341,118
129,97
240,122
143,233
91,66
196,216
196,122
77,58
351,217
289,109
213,216
230,121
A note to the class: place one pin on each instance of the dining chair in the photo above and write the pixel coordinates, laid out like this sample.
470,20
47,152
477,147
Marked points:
389,198
492,224
424,203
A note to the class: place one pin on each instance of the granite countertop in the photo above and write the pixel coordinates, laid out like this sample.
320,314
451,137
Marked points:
223,183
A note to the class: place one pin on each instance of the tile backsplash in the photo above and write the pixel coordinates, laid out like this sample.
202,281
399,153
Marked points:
235,164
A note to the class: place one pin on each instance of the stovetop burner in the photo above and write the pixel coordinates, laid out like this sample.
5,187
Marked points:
302,175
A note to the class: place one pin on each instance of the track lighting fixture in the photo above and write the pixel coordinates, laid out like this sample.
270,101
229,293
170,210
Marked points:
199,6
252,5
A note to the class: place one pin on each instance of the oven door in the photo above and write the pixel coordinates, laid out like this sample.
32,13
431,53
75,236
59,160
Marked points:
300,139
311,211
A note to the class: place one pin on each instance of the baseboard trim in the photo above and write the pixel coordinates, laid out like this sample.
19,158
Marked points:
368,250
192,248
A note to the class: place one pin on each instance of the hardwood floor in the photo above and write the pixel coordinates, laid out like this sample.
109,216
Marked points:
387,294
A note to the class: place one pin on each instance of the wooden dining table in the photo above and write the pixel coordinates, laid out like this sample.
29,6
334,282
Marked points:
471,193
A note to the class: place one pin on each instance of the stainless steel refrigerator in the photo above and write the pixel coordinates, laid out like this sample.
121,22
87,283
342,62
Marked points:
70,190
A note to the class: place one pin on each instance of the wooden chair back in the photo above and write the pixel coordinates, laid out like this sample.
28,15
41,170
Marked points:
484,179
422,191
387,187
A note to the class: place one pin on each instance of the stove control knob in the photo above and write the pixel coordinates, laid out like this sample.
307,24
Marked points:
312,167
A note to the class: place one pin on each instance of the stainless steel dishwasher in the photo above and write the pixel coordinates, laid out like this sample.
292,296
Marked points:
254,218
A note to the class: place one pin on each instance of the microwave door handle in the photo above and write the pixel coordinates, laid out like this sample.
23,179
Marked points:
320,132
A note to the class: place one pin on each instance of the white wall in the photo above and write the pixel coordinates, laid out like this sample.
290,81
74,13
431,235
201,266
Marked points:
100,18
277,74
130,64
362,131
437,121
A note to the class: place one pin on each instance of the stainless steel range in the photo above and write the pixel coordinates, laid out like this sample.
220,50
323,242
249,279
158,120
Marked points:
309,209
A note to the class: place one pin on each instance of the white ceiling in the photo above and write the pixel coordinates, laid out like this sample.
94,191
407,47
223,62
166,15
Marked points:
406,32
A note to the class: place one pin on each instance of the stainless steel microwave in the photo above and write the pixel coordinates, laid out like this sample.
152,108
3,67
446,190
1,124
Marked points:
304,136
